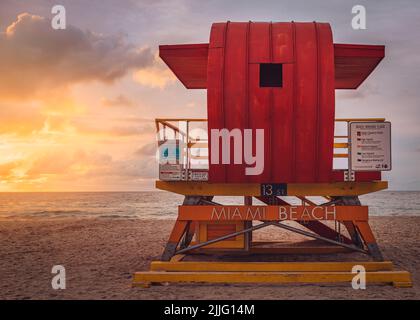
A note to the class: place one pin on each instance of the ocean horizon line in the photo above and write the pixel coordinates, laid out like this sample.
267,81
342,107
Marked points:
147,190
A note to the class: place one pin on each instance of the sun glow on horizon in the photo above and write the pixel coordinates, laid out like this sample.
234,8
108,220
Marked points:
56,134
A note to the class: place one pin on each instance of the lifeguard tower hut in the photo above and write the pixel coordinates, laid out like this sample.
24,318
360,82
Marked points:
269,136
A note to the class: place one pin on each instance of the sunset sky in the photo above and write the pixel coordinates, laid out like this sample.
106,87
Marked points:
77,105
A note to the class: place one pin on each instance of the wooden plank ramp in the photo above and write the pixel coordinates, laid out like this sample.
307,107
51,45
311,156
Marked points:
268,266
269,272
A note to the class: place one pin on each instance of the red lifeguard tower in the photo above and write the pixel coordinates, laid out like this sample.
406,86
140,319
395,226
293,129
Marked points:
278,81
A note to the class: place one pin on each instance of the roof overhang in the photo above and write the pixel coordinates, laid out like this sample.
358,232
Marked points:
353,63
188,62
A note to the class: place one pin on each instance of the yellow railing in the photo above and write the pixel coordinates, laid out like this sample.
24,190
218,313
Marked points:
164,124
345,145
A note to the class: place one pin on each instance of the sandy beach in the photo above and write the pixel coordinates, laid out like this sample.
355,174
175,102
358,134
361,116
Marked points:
100,256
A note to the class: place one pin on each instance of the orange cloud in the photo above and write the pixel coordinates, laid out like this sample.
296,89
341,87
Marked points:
156,75
52,137
120,100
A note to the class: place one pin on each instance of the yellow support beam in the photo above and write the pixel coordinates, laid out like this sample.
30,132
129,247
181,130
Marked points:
181,119
360,120
341,155
205,188
198,157
341,145
177,258
398,278
199,145
350,188
200,266
335,189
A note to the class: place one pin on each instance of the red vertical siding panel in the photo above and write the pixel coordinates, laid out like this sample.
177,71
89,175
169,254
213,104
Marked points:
235,98
282,115
268,150
215,72
282,120
259,43
293,106
306,100
247,77
259,98
327,103
282,42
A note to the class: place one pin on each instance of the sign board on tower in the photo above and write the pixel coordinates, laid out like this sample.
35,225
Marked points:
370,146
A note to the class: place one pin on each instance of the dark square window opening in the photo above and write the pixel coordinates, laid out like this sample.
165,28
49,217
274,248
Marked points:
271,75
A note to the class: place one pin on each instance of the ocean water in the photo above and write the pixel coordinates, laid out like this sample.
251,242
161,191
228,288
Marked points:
161,205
